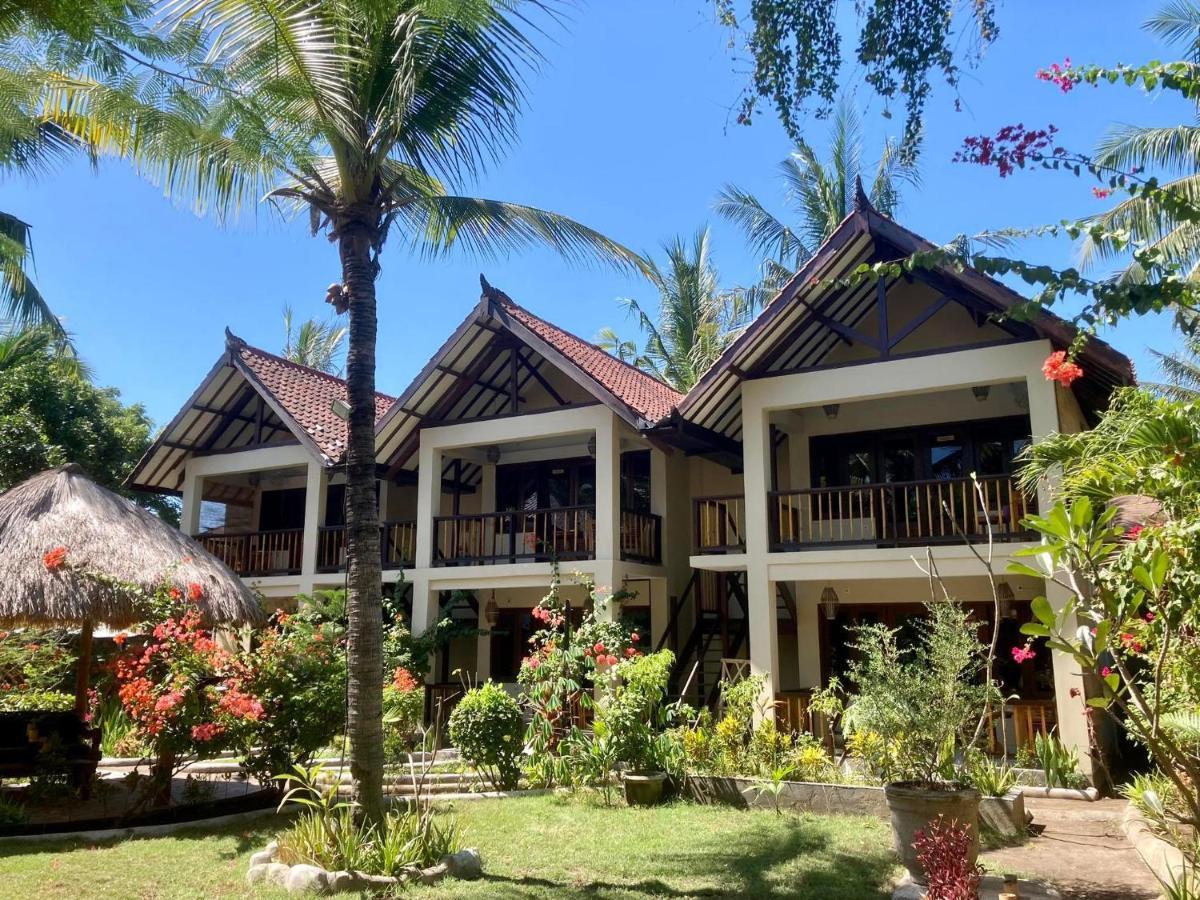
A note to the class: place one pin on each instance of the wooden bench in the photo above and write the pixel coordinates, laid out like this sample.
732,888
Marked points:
36,742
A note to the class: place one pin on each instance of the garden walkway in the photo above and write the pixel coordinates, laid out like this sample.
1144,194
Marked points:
1081,849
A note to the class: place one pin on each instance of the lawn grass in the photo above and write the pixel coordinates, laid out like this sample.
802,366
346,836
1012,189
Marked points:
533,847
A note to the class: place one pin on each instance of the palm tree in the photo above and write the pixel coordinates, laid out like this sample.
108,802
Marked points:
315,344
1173,149
1181,371
356,113
820,193
695,320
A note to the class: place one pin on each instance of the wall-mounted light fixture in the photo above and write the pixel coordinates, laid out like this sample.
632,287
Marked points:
832,410
492,454
591,446
829,602
981,391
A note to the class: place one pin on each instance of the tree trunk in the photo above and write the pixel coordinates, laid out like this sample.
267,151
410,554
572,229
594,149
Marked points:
364,649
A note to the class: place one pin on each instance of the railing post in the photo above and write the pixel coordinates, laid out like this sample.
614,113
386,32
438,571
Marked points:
512,537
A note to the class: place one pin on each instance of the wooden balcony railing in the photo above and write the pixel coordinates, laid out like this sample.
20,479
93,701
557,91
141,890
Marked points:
896,514
720,524
641,537
258,552
397,546
1019,725
535,535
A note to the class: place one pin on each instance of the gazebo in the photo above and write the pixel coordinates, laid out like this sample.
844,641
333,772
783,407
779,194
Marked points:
75,554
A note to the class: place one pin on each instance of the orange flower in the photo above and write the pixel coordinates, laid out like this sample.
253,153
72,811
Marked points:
1058,368
119,638
55,559
175,593
195,592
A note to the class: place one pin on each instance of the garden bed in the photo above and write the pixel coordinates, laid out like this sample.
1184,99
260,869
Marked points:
1002,815
113,805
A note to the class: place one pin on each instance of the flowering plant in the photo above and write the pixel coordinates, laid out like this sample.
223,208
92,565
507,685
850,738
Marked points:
565,663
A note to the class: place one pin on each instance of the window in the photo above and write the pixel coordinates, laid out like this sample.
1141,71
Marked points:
546,484
281,510
635,481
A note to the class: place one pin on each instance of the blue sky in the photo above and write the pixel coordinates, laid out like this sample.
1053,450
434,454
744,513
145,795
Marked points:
628,130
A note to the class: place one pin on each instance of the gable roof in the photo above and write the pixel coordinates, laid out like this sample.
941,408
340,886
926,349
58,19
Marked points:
305,395
497,339
816,309
288,402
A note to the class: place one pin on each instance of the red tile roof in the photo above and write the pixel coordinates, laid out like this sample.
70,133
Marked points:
648,397
307,395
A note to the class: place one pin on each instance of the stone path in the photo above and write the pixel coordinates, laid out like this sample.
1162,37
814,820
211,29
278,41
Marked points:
1081,849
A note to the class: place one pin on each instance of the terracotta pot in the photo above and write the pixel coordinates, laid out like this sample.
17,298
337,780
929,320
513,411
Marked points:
914,805
644,788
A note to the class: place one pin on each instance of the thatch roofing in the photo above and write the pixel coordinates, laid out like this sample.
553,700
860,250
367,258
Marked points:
104,535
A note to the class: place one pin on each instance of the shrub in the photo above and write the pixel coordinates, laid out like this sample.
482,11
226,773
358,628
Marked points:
943,849
50,701
34,659
403,709
919,700
486,728
635,719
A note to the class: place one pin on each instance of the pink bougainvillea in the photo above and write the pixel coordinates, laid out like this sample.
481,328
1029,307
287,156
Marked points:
1058,368
1023,654
1060,75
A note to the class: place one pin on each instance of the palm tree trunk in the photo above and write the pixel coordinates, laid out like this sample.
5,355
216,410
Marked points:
364,649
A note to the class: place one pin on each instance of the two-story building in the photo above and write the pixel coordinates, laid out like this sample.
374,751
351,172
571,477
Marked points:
788,496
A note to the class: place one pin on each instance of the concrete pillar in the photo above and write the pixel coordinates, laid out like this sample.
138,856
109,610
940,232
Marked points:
385,499
764,638
315,485
424,604
483,647
429,503
808,633
658,501
608,491
609,574
193,494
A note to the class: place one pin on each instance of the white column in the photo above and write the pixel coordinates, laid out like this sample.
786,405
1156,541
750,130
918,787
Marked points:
314,517
193,495
764,639
424,605
659,505
808,633
483,648
1068,676
385,499
429,497
799,471
608,490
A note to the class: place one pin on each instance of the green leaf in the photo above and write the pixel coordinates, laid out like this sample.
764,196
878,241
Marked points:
1042,610
1098,702
1035,629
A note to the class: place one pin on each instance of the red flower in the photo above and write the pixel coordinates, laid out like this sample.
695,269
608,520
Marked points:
1131,642
206,731
195,592
635,637
119,638
611,660
1058,368
1101,193
55,559
1150,617
599,648
1133,532
1023,654
403,680
1059,75
1105,672
629,651
175,593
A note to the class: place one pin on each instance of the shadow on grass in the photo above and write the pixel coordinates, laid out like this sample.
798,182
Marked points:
249,836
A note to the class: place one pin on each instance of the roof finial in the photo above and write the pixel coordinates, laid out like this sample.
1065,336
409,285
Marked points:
488,290
861,202
232,340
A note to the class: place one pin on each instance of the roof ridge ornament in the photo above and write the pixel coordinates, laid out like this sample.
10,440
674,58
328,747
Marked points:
232,341
862,203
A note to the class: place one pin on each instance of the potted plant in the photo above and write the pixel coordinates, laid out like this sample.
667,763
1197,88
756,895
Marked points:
914,708
633,718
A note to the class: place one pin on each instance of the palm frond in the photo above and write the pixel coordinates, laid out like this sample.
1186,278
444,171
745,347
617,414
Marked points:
20,299
767,235
1178,22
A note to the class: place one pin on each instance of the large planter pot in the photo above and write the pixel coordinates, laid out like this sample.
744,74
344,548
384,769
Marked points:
915,805
644,788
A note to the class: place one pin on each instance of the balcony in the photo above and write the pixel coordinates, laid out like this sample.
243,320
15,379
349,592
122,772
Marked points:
892,514
258,553
397,546
266,553
539,535
898,514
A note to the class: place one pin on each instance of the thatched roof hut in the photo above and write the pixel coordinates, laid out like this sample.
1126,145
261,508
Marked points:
70,550
104,535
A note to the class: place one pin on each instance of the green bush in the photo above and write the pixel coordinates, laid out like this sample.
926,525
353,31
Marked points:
47,701
486,728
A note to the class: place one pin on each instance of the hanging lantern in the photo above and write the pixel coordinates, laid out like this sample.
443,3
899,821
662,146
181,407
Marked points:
829,602
1008,601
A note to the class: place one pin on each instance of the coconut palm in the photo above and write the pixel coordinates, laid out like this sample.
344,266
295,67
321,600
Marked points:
821,194
1181,371
1173,150
695,319
315,344
359,113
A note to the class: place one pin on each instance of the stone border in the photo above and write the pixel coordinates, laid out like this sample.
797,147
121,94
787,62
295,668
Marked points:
164,830
1004,815
305,879
1088,794
1164,861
